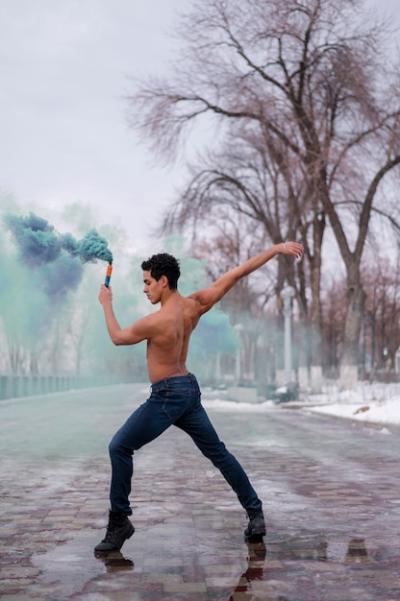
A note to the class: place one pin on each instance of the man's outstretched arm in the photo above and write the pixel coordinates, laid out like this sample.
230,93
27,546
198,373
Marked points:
142,329
208,297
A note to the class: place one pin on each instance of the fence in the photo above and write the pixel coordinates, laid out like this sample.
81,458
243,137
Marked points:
14,386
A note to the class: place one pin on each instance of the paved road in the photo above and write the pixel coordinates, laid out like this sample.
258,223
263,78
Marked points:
330,488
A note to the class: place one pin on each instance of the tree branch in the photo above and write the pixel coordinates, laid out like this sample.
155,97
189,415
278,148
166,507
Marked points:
367,204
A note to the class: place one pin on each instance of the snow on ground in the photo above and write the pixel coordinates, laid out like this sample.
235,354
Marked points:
225,405
367,402
375,402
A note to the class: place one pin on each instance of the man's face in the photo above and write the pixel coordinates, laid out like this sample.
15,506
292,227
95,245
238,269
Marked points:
152,287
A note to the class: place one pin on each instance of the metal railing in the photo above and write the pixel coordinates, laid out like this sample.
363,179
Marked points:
15,386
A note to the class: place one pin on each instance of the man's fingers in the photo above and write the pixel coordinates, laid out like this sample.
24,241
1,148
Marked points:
105,294
294,248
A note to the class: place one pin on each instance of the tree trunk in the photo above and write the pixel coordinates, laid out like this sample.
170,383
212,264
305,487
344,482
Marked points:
315,320
355,309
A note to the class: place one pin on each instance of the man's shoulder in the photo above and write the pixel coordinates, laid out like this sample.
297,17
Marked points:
192,302
191,299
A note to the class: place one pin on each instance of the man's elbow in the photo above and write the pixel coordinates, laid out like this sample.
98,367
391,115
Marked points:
117,339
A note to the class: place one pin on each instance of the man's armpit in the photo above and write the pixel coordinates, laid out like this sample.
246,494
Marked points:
205,299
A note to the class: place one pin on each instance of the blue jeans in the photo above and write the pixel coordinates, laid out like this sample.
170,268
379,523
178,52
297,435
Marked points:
174,401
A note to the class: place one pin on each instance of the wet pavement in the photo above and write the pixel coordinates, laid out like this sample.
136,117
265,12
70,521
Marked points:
330,489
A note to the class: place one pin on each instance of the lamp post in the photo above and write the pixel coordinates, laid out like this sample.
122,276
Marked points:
238,328
287,295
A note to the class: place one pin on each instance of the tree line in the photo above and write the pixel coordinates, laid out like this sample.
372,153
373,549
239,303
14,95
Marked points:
304,97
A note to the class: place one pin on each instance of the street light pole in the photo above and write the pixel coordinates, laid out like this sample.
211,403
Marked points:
287,295
238,328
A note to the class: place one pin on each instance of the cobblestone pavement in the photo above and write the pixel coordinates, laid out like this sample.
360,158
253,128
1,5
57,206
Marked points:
330,489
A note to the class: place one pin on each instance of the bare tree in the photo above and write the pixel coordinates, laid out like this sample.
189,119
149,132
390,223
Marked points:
382,317
307,75
258,181
246,178
381,321
333,318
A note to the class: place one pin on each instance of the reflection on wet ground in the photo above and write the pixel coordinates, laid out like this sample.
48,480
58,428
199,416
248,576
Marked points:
115,561
331,498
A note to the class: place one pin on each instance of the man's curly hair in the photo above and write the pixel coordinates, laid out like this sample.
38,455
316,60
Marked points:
163,264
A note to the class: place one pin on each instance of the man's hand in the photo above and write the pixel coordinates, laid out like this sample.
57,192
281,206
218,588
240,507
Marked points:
291,248
105,295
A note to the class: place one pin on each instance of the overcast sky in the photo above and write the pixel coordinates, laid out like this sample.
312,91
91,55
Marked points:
64,68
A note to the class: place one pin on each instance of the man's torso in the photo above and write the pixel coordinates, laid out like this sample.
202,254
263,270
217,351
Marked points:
167,349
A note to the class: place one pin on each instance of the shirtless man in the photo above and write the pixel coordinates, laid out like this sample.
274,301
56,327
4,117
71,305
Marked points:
175,394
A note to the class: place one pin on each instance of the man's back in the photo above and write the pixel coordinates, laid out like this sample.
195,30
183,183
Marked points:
168,346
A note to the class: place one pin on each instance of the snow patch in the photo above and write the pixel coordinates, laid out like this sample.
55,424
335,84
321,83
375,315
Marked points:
367,402
222,405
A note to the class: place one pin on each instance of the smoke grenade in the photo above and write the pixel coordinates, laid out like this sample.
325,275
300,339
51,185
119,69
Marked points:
108,275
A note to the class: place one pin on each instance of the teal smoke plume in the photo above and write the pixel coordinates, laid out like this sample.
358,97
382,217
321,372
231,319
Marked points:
59,256
37,240
93,247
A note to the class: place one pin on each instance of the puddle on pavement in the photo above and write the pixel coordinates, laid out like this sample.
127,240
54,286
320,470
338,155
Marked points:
144,566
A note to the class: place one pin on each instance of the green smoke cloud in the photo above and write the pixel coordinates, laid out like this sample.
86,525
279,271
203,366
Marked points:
56,257
36,238
40,318
93,247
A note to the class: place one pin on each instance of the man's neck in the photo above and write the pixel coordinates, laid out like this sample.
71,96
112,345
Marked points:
168,296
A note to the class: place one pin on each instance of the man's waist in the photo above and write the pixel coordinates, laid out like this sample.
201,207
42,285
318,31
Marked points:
174,380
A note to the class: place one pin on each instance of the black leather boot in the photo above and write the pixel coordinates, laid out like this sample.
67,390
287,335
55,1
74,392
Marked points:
118,530
256,526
